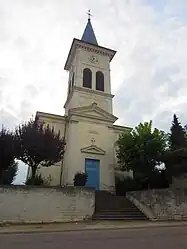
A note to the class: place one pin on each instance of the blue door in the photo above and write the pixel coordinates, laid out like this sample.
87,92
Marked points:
92,170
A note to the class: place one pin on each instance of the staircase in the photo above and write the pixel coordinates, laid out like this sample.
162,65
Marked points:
112,207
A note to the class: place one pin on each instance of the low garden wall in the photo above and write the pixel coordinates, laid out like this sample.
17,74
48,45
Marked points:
26,204
161,204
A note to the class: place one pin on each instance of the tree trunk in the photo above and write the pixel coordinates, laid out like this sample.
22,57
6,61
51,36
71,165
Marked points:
1,173
33,174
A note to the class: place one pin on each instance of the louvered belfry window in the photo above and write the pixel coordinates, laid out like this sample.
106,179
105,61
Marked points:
100,81
87,78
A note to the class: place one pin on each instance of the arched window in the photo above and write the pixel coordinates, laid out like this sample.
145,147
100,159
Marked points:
100,81
87,78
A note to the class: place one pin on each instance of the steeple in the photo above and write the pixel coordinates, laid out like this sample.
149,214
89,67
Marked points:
88,35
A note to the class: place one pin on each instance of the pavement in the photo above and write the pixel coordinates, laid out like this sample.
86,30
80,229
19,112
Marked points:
162,237
85,226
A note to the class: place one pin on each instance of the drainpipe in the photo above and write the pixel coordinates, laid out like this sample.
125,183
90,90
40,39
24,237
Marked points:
62,162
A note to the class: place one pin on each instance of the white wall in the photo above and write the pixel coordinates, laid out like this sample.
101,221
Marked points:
86,98
25,204
80,135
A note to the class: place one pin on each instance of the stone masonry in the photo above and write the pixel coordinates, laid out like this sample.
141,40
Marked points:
161,204
23,204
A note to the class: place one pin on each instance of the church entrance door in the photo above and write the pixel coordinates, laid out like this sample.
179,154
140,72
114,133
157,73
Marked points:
92,167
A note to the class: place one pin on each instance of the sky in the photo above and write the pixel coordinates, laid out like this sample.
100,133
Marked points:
148,73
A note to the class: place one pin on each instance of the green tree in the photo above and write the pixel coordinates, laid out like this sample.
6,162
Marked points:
7,150
141,150
9,174
177,137
177,153
38,145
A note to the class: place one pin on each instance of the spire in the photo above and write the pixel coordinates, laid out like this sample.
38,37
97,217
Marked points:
88,35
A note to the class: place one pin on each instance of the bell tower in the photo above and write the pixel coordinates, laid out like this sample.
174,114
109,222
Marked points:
88,65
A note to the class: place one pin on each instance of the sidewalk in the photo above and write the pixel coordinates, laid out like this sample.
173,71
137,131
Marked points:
85,226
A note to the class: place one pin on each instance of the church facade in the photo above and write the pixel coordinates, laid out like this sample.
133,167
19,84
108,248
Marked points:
88,124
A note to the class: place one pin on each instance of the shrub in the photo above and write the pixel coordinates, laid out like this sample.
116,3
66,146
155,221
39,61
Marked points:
9,174
126,184
80,179
38,180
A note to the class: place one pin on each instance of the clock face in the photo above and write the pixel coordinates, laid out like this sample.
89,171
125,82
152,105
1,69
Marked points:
93,59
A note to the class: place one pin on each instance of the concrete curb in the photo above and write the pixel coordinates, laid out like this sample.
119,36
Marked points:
78,227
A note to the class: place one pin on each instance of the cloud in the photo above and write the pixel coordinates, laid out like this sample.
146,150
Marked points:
148,73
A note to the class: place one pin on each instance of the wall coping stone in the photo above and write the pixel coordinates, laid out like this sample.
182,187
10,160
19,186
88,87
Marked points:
34,187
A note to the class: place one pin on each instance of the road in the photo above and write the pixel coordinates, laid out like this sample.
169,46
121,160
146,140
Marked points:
144,238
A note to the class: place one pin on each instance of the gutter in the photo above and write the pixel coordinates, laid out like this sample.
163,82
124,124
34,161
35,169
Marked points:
62,162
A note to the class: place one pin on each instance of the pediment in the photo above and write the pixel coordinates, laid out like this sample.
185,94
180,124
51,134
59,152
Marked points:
93,149
93,111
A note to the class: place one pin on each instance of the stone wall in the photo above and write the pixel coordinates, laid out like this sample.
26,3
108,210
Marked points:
22,204
161,204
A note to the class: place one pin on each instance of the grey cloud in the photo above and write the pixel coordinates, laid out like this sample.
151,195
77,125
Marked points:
30,91
163,120
7,119
26,110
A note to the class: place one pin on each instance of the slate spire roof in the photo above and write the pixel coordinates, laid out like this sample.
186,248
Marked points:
88,35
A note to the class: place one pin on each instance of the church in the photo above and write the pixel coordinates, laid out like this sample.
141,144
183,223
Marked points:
88,125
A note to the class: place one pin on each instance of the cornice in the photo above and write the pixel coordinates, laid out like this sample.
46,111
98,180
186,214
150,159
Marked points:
87,90
88,47
93,108
119,128
92,117
50,116
93,149
91,91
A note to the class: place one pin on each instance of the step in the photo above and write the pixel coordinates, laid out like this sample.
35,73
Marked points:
114,207
120,218
120,212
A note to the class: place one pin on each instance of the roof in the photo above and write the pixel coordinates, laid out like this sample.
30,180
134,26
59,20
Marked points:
89,35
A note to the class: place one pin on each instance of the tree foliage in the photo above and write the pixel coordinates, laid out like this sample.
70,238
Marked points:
177,154
9,174
38,145
177,137
141,150
38,180
7,150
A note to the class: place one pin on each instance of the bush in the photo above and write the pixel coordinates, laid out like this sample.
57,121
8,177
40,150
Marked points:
157,180
126,184
80,179
9,174
38,180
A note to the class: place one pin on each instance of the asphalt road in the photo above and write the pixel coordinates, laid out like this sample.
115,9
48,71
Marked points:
152,238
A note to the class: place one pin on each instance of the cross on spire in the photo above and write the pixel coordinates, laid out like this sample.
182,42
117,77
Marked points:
88,35
89,14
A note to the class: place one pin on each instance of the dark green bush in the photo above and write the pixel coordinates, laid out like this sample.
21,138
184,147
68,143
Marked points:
9,174
38,180
126,184
80,179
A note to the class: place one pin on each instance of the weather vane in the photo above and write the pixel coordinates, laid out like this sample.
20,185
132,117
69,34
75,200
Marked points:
89,14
